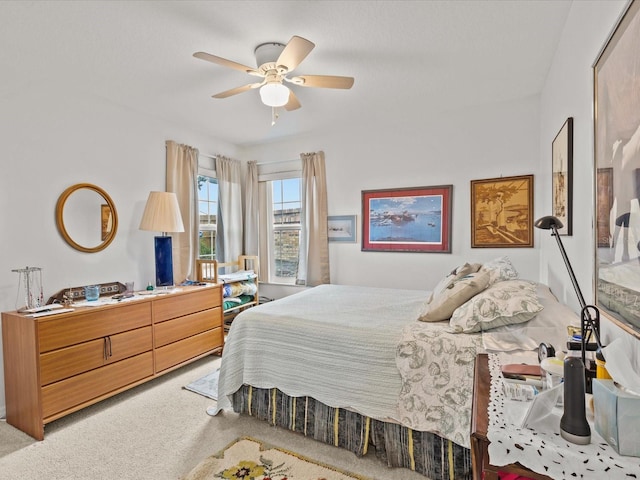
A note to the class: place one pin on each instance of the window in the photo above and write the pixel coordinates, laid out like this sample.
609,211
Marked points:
208,211
285,228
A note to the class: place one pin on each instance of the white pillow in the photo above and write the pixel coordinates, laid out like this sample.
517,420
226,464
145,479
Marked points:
549,326
500,270
457,292
503,303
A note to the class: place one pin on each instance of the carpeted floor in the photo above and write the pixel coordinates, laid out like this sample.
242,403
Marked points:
157,431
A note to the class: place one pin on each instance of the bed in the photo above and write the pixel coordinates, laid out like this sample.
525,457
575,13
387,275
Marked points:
352,366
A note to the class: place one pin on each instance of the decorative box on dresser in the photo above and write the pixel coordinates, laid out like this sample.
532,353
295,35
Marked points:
57,364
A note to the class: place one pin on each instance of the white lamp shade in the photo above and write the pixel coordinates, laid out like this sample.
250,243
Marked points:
162,213
274,94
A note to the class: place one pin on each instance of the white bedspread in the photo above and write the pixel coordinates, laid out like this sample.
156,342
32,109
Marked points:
334,343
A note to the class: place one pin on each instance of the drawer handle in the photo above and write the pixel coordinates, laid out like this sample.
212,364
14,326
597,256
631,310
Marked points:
108,351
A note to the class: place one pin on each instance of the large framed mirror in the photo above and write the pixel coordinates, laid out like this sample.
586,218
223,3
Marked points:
86,217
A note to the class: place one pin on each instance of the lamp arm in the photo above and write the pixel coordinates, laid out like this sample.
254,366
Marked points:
589,324
572,275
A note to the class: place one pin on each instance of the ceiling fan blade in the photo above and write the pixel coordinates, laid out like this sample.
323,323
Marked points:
296,50
235,91
226,63
293,103
323,81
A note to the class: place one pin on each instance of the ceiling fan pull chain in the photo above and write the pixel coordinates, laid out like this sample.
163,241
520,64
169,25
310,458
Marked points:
274,115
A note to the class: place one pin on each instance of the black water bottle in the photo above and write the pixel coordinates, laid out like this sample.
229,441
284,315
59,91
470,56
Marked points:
573,425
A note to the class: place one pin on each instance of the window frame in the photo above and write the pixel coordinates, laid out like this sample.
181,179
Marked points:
209,173
269,228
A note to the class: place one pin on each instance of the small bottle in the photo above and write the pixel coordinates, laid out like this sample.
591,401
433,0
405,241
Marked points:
601,368
149,287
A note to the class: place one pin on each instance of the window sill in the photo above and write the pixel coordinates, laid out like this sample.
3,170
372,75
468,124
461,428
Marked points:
278,284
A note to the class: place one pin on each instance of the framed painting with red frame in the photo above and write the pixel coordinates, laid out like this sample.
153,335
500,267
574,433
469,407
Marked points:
414,219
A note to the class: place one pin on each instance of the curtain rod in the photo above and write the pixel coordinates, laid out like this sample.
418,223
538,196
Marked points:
277,161
213,157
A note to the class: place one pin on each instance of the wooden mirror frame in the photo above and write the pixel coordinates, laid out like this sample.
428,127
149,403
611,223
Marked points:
60,221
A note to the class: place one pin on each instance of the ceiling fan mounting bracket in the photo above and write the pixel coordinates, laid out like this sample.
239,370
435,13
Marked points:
267,54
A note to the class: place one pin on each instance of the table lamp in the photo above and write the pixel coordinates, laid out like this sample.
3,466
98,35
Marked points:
590,315
577,380
162,214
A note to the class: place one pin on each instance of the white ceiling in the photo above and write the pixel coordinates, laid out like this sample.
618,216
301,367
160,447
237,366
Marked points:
406,57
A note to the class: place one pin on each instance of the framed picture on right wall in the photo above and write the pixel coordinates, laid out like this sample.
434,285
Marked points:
562,176
616,74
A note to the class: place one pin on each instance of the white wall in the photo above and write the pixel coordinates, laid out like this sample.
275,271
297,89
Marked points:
568,92
452,148
52,139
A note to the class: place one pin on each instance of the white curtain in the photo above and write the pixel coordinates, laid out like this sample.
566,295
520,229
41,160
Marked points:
229,221
265,224
251,211
182,177
313,264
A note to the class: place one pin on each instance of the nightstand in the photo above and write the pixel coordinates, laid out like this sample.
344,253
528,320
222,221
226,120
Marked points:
479,426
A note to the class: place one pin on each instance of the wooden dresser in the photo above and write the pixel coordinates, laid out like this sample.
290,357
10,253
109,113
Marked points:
57,364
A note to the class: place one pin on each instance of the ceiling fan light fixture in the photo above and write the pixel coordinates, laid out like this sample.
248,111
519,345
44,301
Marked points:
274,94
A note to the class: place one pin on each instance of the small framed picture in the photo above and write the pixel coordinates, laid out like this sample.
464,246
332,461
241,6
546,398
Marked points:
562,175
342,228
106,221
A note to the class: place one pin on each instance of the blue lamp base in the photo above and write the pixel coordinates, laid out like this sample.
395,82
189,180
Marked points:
164,261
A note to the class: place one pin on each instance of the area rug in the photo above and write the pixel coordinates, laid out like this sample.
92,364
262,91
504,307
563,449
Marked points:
249,459
207,385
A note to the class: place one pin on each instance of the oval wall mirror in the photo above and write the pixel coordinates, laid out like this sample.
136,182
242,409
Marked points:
86,217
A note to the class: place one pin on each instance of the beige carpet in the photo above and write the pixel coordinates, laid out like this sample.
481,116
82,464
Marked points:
248,458
157,431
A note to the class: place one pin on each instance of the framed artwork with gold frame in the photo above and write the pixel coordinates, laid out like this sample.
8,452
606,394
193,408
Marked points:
502,212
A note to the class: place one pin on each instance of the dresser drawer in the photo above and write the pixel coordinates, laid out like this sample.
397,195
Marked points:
191,347
82,327
66,362
82,388
183,327
177,305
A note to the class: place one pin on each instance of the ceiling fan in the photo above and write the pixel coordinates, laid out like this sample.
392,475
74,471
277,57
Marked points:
275,62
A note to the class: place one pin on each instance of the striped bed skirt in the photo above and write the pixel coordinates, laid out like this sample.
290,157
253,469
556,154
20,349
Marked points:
397,446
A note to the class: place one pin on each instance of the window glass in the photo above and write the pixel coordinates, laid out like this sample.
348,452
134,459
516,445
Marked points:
285,243
208,211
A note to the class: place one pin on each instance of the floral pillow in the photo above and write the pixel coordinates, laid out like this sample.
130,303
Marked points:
500,269
455,294
455,274
503,303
